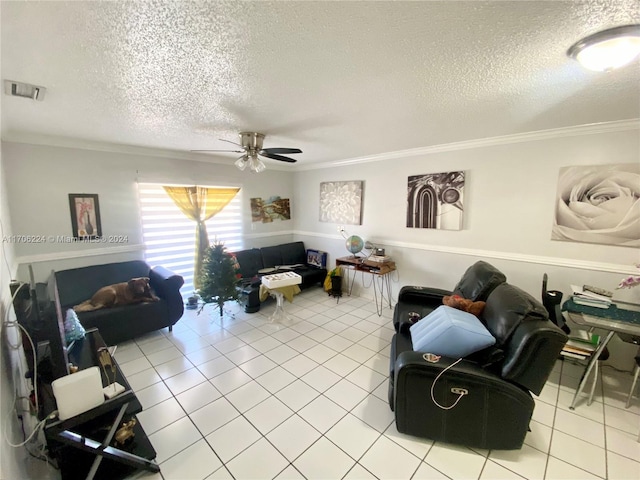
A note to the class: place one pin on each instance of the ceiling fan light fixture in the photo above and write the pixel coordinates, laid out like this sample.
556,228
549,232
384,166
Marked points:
608,49
241,162
256,164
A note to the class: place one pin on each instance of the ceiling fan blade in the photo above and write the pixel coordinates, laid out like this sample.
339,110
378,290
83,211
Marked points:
279,150
229,141
277,157
225,151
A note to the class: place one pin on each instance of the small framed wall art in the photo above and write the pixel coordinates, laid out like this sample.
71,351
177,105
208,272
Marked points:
85,216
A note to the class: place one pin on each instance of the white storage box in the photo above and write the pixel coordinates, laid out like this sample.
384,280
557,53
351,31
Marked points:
281,280
78,392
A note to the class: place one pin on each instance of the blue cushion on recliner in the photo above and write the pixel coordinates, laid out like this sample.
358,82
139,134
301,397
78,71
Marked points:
450,332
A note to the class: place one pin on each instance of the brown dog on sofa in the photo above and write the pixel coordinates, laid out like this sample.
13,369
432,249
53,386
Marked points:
135,290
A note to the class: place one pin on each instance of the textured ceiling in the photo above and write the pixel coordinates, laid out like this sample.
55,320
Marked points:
339,80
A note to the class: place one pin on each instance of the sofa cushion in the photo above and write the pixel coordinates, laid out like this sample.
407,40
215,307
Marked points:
508,306
250,262
271,256
450,332
479,281
293,253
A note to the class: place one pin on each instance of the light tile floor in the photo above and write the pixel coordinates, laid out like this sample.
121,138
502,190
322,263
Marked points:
244,398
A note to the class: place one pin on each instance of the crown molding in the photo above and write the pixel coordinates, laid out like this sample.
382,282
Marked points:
587,129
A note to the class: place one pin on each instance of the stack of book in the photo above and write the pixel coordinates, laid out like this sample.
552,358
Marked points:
590,296
581,345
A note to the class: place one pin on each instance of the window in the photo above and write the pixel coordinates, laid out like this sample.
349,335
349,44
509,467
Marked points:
169,236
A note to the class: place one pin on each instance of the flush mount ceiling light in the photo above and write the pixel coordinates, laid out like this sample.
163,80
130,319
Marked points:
609,49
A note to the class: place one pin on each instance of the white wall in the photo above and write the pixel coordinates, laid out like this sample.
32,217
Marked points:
39,179
509,197
15,463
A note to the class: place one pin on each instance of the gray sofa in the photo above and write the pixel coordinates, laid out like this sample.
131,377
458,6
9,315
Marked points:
253,260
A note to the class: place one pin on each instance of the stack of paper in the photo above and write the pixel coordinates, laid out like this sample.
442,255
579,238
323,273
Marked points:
379,258
590,299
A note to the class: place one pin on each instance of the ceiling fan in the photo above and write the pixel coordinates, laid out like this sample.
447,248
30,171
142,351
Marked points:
251,145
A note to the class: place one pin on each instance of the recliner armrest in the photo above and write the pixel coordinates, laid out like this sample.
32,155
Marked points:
413,359
421,300
166,284
417,294
531,353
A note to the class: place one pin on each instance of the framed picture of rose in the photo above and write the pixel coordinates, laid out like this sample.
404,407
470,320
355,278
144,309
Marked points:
85,216
598,204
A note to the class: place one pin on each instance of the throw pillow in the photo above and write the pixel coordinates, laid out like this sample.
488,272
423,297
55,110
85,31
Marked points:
73,329
450,332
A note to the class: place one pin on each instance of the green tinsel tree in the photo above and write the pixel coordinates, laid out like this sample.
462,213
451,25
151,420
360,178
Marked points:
219,276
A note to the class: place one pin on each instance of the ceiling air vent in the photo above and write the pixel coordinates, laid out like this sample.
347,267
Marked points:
24,90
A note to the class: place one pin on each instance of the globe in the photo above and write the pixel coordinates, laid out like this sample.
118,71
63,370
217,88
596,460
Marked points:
354,244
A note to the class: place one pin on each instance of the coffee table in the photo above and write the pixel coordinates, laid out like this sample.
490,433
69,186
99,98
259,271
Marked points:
280,285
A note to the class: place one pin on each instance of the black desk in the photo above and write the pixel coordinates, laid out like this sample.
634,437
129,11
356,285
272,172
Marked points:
82,444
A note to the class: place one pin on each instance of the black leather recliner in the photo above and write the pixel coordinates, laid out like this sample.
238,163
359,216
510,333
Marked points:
494,385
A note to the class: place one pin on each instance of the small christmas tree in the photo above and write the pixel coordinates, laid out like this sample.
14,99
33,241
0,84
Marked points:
219,276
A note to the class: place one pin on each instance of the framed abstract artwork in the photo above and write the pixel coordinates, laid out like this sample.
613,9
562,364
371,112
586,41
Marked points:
85,216
598,204
435,200
341,202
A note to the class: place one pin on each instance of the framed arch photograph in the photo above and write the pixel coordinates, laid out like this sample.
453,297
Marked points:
435,200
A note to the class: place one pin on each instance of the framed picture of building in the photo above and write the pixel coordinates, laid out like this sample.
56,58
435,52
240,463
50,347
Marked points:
435,200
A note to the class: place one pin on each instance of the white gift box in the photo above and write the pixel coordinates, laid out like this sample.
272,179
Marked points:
281,280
